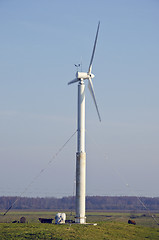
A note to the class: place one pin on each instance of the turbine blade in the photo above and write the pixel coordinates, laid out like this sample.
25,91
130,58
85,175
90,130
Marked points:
95,42
73,81
90,86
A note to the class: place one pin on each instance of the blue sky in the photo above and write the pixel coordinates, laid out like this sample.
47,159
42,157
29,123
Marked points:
39,43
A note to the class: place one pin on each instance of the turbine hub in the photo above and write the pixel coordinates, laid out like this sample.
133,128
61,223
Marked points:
91,75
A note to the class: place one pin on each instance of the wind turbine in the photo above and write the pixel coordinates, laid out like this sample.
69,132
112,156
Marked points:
81,154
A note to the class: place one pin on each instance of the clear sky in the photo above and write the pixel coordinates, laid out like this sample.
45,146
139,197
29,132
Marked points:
40,41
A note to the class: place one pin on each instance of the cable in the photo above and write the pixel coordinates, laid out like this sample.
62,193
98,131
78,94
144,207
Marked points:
42,170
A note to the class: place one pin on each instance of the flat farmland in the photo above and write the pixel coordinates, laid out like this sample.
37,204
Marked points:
110,225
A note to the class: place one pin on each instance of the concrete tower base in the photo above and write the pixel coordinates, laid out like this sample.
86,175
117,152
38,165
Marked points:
80,187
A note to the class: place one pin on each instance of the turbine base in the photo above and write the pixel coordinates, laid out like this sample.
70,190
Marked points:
80,187
80,220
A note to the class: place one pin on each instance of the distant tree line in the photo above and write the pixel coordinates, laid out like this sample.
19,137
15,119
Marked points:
100,203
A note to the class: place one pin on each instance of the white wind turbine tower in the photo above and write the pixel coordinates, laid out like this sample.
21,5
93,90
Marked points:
81,155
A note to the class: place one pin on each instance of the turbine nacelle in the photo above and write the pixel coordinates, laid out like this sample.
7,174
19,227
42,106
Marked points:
84,75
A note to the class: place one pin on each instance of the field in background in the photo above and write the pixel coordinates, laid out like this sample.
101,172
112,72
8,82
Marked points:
110,225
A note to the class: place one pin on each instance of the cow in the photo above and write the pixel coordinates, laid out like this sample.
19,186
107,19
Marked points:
45,220
69,221
23,220
131,222
15,221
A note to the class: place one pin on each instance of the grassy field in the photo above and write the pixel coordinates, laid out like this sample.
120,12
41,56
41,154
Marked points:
110,226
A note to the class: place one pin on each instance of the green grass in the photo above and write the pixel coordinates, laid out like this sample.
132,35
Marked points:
110,226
